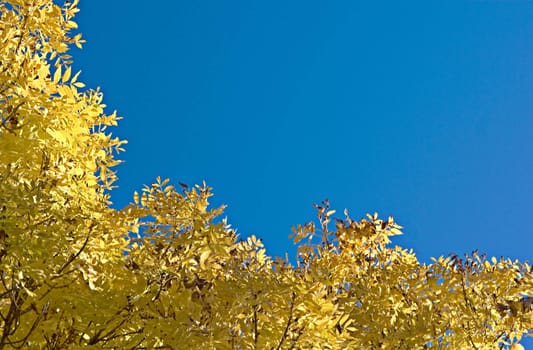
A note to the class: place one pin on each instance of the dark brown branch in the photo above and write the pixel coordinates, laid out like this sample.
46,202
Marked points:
12,118
472,341
468,302
289,321
33,326
12,313
255,321
10,317
73,257
295,341
24,21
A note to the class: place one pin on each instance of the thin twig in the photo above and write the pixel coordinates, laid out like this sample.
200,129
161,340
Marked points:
74,256
289,321
34,325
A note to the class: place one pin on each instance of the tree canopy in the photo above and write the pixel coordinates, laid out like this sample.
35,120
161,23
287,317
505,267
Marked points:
167,271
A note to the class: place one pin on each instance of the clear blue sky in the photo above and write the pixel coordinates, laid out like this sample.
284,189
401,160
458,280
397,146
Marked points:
422,110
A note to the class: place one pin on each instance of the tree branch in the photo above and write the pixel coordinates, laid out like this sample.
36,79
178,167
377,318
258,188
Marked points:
289,321
73,257
33,326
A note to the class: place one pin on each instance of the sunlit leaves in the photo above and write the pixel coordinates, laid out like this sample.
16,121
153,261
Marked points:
166,271
62,241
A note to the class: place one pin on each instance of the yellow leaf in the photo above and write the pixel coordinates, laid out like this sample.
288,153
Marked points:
57,75
136,197
343,319
203,258
331,212
517,347
67,73
75,77
395,232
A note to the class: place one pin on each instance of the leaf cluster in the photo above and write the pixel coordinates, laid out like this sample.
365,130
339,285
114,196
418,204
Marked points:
167,272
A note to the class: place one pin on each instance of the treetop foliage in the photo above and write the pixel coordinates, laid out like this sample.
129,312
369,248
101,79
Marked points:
167,272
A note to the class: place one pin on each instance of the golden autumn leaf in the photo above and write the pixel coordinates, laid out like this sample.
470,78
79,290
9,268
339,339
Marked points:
166,271
516,346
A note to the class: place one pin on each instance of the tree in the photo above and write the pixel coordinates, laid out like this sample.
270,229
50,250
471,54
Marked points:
164,272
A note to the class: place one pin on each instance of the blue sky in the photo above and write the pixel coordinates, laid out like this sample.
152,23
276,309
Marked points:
421,110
